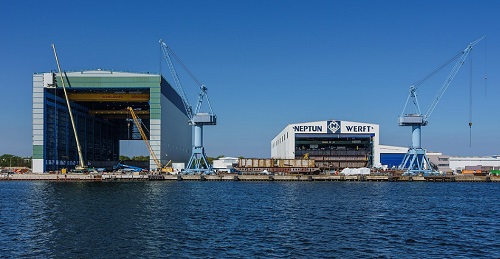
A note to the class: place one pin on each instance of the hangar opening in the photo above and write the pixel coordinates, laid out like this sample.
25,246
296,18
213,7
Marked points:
334,152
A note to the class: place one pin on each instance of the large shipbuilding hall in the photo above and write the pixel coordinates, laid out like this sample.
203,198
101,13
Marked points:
333,144
99,101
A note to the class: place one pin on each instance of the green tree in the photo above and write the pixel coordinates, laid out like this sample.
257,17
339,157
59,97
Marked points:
210,160
140,158
124,158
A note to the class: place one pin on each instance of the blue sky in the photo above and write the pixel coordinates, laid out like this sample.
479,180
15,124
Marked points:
268,64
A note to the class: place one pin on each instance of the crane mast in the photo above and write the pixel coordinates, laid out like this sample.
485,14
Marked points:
415,160
198,162
81,163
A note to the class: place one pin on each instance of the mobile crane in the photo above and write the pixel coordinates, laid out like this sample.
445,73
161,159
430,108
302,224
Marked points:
415,161
81,164
198,162
159,166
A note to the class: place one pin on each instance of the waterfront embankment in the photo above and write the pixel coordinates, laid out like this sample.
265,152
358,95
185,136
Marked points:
236,177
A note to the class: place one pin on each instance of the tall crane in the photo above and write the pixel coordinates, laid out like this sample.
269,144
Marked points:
81,163
159,167
415,160
198,162
144,137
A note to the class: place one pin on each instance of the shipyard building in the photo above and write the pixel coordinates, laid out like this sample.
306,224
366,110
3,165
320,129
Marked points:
333,144
99,101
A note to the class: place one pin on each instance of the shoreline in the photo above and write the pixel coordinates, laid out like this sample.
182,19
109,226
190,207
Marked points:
236,177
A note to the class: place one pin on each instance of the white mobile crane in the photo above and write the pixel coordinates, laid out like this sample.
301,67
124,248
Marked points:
198,162
81,164
415,160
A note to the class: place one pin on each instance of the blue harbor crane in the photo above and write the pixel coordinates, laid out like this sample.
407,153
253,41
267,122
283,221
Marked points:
415,161
198,162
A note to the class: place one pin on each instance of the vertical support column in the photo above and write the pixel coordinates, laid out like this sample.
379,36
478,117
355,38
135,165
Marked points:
416,136
198,136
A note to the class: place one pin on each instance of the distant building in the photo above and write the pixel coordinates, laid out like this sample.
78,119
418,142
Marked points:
225,164
458,164
441,161
392,156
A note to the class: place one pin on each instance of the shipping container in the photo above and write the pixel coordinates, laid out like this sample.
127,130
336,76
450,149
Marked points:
486,168
495,172
472,168
468,171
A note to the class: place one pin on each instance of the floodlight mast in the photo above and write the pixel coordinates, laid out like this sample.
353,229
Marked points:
198,162
415,160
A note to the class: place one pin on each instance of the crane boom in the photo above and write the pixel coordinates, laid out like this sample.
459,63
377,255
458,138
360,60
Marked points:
166,53
144,137
448,80
418,117
81,163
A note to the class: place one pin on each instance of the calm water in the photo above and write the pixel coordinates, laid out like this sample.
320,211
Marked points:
249,220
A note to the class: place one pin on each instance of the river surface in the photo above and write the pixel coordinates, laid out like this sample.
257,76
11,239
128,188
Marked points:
249,220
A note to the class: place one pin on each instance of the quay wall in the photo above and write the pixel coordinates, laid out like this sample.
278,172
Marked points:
236,177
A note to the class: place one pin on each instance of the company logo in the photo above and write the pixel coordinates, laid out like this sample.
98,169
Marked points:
333,126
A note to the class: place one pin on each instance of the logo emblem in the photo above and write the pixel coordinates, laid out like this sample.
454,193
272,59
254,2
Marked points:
333,126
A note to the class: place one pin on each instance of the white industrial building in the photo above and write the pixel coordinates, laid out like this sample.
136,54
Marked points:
225,164
333,144
460,163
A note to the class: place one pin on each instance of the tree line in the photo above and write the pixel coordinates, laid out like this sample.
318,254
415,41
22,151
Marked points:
8,160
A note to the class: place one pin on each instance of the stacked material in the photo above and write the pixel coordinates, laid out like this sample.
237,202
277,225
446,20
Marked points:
355,171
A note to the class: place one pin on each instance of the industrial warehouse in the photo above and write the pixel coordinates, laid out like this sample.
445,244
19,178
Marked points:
333,144
99,101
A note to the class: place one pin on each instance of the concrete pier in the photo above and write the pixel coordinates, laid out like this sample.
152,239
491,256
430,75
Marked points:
236,177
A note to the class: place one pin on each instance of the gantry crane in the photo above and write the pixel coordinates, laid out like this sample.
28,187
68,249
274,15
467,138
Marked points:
159,166
198,162
415,160
81,164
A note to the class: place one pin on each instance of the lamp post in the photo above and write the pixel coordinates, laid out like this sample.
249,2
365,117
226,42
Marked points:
10,161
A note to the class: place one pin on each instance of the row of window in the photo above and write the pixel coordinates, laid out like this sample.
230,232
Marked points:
280,140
